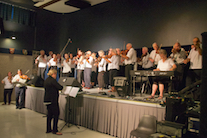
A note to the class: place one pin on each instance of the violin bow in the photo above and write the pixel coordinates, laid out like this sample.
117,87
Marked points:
27,71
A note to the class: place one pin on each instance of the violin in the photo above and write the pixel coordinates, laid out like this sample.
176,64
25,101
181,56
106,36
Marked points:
124,52
99,59
24,77
78,56
175,50
140,59
42,56
55,59
10,79
158,50
107,56
67,60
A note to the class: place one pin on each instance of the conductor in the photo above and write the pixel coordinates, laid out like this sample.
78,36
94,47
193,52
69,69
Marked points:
51,100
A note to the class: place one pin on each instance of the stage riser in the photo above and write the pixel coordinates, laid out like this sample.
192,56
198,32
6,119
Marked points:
107,115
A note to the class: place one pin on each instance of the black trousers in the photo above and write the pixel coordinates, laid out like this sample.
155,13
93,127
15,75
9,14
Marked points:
66,74
20,94
52,112
9,92
128,68
179,82
193,75
112,73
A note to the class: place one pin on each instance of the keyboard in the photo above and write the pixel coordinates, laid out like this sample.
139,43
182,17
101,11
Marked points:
151,73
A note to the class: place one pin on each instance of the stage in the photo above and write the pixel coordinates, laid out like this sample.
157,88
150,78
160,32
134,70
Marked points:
108,114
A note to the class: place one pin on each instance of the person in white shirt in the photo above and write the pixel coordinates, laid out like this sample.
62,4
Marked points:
144,60
8,88
50,55
154,55
195,59
42,59
165,64
59,65
72,65
87,69
80,67
178,55
53,62
129,60
20,88
93,71
66,66
113,64
106,74
101,70
121,63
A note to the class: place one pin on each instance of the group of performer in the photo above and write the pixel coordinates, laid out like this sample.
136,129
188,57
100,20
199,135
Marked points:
87,67
84,66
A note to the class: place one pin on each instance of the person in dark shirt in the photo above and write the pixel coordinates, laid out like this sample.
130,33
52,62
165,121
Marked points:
52,88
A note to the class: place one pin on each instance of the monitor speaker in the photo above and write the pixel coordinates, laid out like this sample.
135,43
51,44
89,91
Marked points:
36,81
120,84
175,109
69,81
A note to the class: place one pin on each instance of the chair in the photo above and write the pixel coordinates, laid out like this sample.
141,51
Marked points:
146,127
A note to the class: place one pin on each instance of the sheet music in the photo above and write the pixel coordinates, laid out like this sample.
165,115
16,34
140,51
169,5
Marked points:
67,89
71,91
74,91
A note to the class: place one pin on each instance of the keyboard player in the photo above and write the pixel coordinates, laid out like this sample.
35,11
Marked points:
165,64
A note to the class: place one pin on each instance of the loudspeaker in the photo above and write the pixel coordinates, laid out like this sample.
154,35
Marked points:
175,110
120,84
1,26
69,81
36,81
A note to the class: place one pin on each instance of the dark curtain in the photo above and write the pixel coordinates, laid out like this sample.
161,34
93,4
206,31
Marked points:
18,15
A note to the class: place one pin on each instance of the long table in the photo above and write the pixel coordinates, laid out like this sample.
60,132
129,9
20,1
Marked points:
116,117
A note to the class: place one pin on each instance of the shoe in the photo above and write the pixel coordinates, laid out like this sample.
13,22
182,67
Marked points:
57,133
17,107
20,108
151,97
3,104
160,97
8,103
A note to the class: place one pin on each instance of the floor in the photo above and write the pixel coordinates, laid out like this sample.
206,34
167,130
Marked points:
25,123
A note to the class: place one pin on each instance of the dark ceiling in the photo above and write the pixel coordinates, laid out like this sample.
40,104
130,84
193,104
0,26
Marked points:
24,3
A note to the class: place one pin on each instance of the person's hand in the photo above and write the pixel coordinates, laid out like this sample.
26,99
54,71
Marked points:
17,79
152,60
185,61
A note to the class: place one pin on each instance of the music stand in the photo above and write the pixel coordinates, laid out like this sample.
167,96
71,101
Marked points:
70,92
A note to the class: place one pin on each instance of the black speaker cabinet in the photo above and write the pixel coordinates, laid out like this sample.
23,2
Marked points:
175,110
36,81
120,84
69,81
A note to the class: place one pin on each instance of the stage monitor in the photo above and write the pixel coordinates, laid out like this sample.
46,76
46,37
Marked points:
69,81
